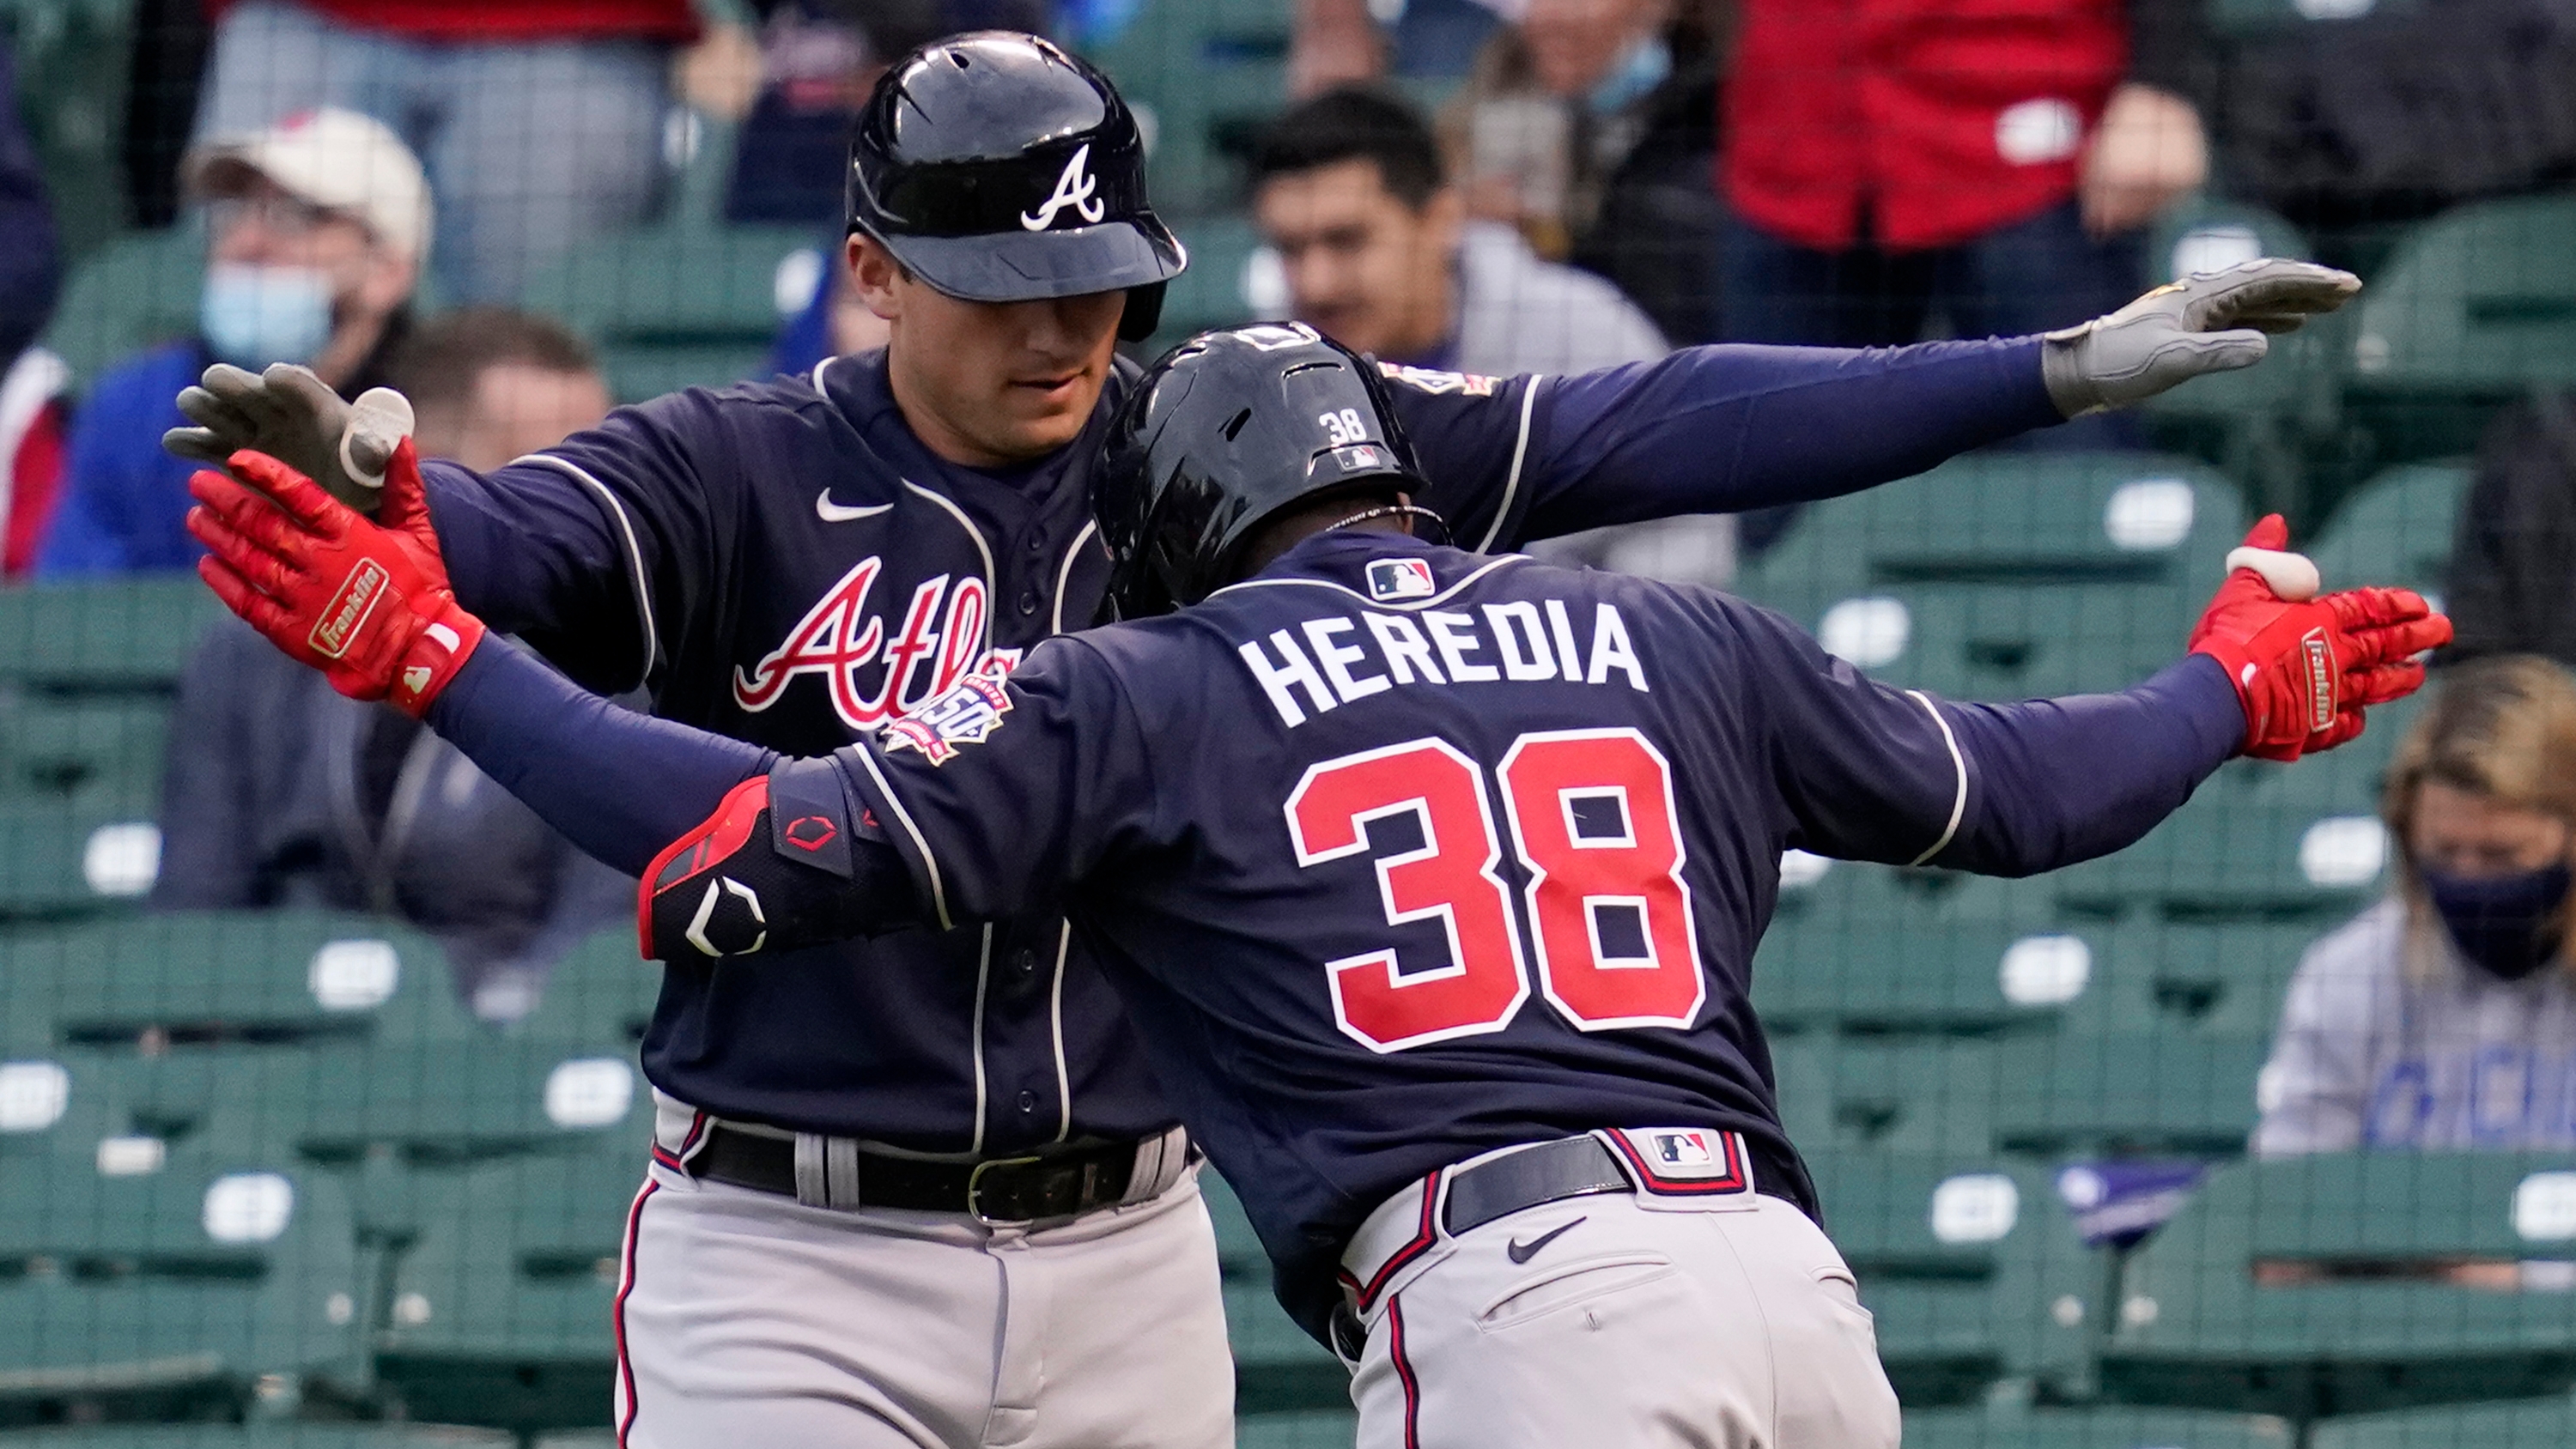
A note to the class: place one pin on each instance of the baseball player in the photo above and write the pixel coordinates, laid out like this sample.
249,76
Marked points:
1433,878
834,1243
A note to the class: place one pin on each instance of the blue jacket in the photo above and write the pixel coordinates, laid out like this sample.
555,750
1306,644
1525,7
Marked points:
124,501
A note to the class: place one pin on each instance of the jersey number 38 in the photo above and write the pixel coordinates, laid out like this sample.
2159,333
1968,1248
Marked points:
1592,817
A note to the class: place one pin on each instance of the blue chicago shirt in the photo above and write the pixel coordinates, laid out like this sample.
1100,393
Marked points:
785,564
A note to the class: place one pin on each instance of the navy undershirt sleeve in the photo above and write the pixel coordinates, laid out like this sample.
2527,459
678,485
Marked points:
620,785
1728,428
534,554
2057,781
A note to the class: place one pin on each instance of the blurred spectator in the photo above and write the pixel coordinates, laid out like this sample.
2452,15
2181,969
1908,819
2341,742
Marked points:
279,792
2512,583
488,385
1997,168
315,230
2445,1016
814,64
834,322
1591,126
1339,42
541,120
1349,189
31,378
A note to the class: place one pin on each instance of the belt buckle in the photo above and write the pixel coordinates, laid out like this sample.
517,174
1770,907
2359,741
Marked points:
975,1189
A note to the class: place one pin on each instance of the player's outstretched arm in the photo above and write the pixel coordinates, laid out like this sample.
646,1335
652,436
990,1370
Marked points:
1727,428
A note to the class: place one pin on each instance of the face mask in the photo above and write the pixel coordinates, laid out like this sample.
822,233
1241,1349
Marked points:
2501,922
253,316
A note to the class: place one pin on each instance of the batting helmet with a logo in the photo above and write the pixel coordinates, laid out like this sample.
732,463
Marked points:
999,168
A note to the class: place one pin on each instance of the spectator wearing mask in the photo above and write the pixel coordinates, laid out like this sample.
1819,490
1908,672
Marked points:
2512,581
1349,190
2445,1016
541,120
282,793
1590,126
315,234
1997,166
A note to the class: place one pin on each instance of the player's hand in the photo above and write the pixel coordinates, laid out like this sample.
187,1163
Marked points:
2207,322
2306,666
366,603
293,416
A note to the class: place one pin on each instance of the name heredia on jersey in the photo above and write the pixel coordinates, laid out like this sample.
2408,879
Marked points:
1344,658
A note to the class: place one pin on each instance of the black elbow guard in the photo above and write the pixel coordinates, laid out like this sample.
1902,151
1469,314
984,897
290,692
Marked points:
775,867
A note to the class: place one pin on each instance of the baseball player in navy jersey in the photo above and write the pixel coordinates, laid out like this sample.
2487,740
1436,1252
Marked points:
1432,878
921,1188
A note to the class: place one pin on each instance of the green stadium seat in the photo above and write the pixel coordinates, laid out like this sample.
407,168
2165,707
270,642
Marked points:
1203,76
2315,1287
2136,1093
674,307
72,860
2116,1426
1212,293
164,982
603,993
2220,860
501,1315
1278,1369
2476,306
106,753
1853,973
2221,980
138,291
1312,1429
1886,1094
1971,1267
2395,529
172,1294
129,636
2543,1424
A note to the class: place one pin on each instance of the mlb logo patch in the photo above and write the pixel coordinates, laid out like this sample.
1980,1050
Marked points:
965,715
1683,1149
1400,578
1365,455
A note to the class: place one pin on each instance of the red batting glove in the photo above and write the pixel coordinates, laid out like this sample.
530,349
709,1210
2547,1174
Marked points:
366,603
2306,669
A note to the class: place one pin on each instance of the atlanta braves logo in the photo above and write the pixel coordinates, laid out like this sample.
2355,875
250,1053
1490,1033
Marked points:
1074,188
840,640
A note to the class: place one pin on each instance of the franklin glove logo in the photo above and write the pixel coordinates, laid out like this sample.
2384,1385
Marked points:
1074,188
348,613
2318,653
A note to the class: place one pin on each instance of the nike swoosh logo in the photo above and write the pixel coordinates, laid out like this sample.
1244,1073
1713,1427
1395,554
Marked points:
831,512
1522,1252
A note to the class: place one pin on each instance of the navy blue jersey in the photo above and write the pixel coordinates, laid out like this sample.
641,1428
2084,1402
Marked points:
1401,854
785,564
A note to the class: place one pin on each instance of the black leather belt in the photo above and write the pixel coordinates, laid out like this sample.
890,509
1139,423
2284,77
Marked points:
1061,1183
1543,1174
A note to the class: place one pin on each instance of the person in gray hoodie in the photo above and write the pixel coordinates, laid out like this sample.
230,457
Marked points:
2444,1017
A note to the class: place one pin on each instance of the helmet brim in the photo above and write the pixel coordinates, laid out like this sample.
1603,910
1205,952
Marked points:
1031,266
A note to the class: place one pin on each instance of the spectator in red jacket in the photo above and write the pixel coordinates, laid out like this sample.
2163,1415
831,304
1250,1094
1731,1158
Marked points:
1994,164
540,121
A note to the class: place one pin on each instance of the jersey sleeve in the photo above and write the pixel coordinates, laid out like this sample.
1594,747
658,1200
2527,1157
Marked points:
598,550
1002,794
1706,430
1873,772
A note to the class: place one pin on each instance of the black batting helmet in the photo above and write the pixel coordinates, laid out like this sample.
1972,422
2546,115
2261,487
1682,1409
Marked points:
1222,433
998,168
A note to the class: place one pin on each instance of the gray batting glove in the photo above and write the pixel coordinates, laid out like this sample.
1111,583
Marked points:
295,417
2207,322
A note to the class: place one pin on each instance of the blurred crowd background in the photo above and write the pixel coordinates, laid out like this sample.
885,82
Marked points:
318,1105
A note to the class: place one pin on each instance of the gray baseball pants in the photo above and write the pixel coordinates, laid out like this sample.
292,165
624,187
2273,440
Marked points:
1618,1319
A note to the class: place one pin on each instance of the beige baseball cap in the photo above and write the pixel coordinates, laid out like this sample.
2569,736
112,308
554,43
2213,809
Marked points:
336,159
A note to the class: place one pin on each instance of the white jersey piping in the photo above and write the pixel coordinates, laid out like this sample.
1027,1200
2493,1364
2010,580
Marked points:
634,552
1064,573
983,977
1520,451
1959,801
1055,1011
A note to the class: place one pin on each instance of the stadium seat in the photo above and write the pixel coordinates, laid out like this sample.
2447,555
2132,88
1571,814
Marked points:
138,291
1836,970
1214,291
1202,75
2476,306
2324,1286
1886,1094
172,1294
2394,530
675,307
2135,1093
104,754
603,993
1311,1429
2222,980
2221,860
2541,1424
1278,1369
501,1315
1969,1265
2117,1426
128,636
